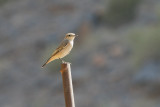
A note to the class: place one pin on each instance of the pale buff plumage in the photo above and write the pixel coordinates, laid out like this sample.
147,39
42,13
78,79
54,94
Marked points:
64,48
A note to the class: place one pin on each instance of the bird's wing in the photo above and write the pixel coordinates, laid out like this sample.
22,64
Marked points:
61,46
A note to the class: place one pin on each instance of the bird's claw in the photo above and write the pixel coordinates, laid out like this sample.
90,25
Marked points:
63,62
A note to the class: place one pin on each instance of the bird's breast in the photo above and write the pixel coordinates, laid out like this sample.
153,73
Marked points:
71,43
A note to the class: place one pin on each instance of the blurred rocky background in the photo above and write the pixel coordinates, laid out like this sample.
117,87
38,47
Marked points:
115,59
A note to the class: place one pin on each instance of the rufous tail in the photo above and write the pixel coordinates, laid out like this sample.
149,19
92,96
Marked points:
48,61
44,64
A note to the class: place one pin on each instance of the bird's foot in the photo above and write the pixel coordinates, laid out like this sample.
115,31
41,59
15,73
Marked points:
63,62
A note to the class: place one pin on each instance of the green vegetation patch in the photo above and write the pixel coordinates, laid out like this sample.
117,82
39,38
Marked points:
146,44
120,11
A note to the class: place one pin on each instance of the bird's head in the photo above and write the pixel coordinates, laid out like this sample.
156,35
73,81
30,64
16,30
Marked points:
70,36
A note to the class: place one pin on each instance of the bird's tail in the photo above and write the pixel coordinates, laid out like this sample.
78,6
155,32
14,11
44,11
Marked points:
44,64
48,61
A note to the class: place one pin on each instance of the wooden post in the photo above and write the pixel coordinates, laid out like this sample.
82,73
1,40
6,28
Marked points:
67,84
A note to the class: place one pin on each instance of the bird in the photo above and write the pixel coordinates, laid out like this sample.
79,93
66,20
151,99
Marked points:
63,49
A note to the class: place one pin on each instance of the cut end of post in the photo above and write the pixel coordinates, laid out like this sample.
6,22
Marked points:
65,66
66,63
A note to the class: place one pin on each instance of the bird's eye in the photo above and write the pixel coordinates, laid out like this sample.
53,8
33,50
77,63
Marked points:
69,35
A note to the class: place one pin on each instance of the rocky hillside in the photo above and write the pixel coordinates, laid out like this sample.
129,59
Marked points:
115,62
